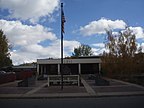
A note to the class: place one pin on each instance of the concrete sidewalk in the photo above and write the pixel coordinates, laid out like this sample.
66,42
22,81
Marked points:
41,90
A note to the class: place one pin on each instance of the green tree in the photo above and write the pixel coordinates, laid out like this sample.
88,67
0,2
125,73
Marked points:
28,64
4,51
82,50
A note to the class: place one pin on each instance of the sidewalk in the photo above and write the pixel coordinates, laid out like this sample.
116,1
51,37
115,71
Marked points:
41,90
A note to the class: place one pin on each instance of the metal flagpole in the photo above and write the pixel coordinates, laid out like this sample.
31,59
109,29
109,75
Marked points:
62,31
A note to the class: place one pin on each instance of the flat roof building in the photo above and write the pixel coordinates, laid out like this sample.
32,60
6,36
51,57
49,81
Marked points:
72,66
24,68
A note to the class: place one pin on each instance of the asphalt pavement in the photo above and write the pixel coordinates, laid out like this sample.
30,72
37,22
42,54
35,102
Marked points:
102,102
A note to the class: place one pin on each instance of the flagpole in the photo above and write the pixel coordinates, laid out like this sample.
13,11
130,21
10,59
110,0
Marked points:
61,68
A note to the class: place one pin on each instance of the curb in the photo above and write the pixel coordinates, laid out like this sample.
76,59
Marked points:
72,95
128,83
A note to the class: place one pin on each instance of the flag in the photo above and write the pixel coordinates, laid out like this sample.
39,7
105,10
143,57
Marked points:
62,19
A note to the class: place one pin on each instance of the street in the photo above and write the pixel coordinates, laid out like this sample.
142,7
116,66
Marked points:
101,102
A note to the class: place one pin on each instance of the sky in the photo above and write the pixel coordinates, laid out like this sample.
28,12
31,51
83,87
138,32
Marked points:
33,26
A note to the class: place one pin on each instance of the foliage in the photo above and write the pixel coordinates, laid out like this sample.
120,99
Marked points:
28,64
4,51
82,50
121,58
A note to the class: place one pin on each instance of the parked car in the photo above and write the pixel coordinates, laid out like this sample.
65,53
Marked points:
2,72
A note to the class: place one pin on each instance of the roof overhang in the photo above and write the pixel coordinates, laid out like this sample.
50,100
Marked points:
68,61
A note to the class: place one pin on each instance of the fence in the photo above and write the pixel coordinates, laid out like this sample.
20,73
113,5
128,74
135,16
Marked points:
66,79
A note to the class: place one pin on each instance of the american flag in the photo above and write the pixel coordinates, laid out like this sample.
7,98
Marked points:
62,21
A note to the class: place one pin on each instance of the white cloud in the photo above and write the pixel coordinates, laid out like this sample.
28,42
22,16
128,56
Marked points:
138,31
20,34
98,48
98,51
25,40
99,27
29,9
142,46
101,45
68,46
32,52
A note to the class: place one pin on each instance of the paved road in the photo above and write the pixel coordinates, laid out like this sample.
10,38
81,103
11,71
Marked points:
103,102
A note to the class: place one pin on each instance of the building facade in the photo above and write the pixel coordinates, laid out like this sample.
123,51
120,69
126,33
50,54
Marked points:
75,66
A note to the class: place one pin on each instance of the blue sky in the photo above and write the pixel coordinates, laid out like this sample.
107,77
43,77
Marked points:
33,26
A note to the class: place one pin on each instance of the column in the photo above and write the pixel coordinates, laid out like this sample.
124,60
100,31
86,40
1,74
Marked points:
44,69
58,69
45,74
79,68
37,69
99,68
79,77
41,70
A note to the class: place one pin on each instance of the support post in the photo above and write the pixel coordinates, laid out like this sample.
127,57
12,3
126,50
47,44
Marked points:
79,77
58,69
41,70
37,69
79,68
99,69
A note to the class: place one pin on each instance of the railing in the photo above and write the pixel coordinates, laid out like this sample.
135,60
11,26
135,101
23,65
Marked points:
66,79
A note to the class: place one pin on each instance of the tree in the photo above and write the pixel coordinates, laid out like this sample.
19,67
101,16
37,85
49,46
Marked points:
121,53
82,50
28,64
4,51
139,58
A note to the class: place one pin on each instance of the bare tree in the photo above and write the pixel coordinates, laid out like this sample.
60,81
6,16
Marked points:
122,47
